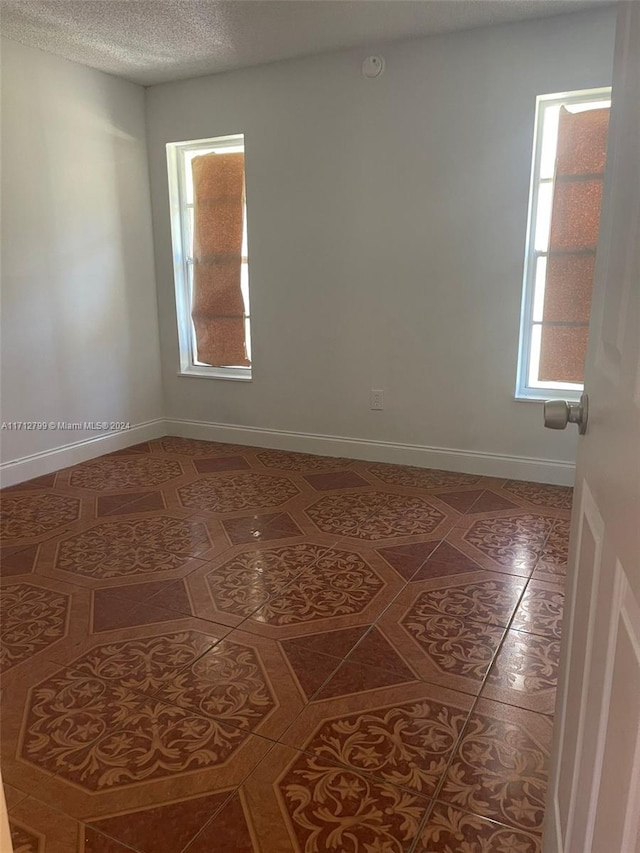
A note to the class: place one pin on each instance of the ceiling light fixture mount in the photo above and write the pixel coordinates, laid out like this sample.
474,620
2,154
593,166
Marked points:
373,66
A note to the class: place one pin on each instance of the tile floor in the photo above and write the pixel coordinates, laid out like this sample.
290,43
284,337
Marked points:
209,647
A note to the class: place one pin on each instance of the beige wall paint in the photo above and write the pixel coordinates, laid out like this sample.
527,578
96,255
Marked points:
386,233
79,312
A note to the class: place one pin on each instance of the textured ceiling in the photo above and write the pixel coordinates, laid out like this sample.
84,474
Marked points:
153,41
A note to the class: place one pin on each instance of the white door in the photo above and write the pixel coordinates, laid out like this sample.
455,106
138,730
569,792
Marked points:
594,798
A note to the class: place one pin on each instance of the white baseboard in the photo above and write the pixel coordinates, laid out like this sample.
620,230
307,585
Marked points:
38,464
448,459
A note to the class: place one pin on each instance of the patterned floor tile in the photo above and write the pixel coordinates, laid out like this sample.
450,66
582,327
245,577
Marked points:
421,478
32,617
16,684
450,830
12,796
47,481
287,461
450,651
478,597
301,802
552,564
404,735
504,541
124,472
169,594
111,613
124,740
500,769
376,515
171,609
35,828
17,560
146,659
460,501
243,681
407,559
126,549
540,610
260,528
336,480
351,678
491,502
444,562
128,502
220,464
342,589
539,494
309,669
244,580
525,672
313,658
30,517
95,842
336,644
167,828
221,493
375,650
229,830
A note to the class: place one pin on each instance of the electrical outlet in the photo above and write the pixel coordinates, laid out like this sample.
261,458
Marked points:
377,399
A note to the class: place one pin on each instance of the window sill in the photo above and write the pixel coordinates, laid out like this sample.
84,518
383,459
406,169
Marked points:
234,374
549,394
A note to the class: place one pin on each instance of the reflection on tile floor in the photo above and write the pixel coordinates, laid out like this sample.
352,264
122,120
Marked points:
210,647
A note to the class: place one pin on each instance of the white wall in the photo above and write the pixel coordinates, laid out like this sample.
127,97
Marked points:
386,233
79,311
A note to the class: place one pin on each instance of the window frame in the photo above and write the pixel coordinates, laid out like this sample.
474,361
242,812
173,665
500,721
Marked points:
180,237
525,391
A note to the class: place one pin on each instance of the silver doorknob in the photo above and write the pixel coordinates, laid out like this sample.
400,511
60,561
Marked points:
559,413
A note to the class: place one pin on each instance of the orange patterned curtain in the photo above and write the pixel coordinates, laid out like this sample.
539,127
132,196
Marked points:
575,221
218,306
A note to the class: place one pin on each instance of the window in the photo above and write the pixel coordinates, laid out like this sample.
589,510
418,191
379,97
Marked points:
211,272
564,217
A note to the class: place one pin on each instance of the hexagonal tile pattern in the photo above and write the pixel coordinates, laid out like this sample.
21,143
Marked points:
515,540
228,683
375,515
500,770
408,744
230,492
299,461
102,736
421,478
449,830
124,472
490,601
333,808
455,646
340,583
554,556
243,583
31,618
539,494
121,548
26,516
98,724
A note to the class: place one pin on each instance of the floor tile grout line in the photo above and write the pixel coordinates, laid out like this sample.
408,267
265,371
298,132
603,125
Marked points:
84,824
325,549
477,700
